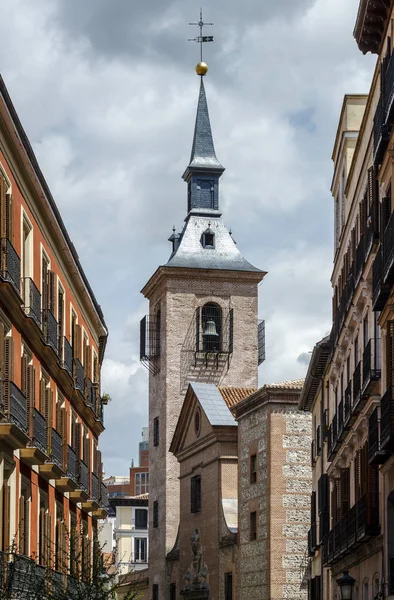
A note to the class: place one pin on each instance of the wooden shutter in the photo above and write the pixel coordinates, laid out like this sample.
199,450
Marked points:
338,505
63,432
24,366
48,412
30,398
345,492
390,353
198,317
8,371
86,450
78,342
357,476
21,538
373,494
6,212
99,469
48,538
6,515
77,447
51,292
2,340
385,212
41,541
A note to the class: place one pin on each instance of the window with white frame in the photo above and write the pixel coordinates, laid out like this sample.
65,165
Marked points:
141,485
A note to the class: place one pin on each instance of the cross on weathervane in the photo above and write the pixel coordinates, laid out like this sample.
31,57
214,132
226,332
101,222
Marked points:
201,39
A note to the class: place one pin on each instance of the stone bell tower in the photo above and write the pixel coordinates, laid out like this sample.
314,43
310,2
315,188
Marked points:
202,326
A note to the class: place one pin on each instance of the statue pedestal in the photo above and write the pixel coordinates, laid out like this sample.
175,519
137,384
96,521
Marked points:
195,594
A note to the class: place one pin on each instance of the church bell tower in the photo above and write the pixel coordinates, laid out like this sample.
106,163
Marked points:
202,326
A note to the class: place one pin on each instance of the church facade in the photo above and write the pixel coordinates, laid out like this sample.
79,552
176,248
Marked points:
202,327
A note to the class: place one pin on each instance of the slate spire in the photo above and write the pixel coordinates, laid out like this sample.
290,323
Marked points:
204,170
203,151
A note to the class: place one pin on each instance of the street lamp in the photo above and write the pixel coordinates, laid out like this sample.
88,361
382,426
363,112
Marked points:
346,584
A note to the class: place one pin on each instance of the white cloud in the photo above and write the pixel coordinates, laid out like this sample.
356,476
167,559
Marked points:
111,119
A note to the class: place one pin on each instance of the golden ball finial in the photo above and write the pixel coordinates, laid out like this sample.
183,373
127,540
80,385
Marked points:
202,68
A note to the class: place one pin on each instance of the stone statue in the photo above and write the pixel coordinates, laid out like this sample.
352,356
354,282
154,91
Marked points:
196,575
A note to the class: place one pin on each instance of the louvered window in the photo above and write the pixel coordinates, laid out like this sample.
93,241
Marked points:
253,468
252,526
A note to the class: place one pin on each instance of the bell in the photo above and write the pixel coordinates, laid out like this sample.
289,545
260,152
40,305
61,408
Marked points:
210,328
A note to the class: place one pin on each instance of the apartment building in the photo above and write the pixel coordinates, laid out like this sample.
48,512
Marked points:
52,343
351,396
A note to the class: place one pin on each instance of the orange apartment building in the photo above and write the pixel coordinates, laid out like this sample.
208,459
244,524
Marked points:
52,343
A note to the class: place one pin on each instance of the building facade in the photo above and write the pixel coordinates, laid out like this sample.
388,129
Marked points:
274,485
202,326
52,343
352,403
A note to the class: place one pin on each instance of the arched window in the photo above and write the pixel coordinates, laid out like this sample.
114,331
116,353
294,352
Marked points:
211,319
390,541
365,589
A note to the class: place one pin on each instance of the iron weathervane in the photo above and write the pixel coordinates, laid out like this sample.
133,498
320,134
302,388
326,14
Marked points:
201,39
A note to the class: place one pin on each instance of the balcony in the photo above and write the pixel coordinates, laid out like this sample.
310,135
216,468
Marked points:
381,132
66,355
53,468
380,290
95,488
312,545
13,425
31,300
357,526
79,375
71,470
360,259
357,387
388,251
387,421
68,482
83,479
104,495
10,265
36,452
376,456
371,366
50,329
347,407
90,394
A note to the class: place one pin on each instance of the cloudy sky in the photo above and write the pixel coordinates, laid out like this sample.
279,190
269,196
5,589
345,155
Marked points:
107,93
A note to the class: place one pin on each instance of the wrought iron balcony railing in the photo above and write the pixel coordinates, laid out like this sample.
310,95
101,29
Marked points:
95,488
71,467
90,393
387,420
375,454
104,495
17,412
50,329
66,355
84,477
39,439
79,375
371,364
10,264
56,448
356,386
31,300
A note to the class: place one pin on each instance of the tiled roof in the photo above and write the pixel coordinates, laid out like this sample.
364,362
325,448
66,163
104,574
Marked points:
292,384
213,404
233,395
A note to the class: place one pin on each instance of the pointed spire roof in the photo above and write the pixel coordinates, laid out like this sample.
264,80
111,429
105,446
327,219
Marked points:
203,154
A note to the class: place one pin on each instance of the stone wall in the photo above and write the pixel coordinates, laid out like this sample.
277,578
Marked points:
270,566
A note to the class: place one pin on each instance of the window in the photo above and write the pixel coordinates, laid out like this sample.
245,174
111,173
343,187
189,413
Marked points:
228,586
24,518
208,239
140,549
141,518
44,531
156,431
365,331
172,591
155,514
195,494
6,212
253,468
253,526
60,314
197,421
27,260
141,483
211,327
155,591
